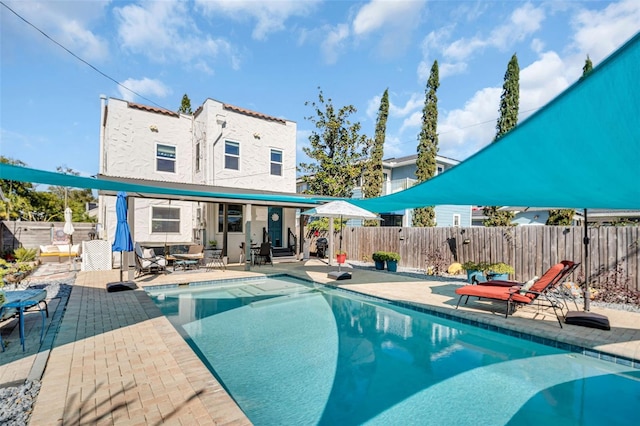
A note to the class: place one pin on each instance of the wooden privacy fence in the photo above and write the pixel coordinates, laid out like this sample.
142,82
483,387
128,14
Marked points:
531,250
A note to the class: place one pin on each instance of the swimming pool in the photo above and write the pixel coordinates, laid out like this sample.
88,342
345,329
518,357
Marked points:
294,353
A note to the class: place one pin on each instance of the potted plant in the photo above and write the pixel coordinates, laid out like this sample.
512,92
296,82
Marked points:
213,244
475,271
341,256
499,271
379,258
392,259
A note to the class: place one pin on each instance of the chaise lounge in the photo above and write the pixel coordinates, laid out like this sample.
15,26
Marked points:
516,295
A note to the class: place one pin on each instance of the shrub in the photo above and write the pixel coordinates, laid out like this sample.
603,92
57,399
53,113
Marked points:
22,254
378,256
475,266
615,288
500,268
436,262
392,256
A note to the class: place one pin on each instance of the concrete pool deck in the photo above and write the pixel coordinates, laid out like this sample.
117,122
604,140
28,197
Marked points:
117,360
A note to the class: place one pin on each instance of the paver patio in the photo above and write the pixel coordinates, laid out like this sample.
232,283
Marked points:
117,360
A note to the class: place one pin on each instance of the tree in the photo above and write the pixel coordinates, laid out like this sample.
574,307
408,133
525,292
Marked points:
338,148
185,106
564,217
508,119
17,196
75,199
510,99
428,145
373,177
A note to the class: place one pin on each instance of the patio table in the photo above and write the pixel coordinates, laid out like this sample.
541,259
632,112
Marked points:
22,300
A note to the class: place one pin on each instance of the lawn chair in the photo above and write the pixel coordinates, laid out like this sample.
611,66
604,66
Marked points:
147,262
544,289
264,255
17,302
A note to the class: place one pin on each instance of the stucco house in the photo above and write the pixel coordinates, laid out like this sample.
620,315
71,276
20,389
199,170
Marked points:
221,148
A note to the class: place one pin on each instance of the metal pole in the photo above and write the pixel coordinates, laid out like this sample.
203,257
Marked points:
585,240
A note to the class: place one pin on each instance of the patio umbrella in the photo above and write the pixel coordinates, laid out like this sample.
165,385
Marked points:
342,210
122,240
68,229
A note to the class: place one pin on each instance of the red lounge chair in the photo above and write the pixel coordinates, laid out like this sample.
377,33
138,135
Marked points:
570,267
512,295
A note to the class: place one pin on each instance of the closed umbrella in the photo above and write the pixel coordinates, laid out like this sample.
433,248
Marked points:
343,210
68,229
122,240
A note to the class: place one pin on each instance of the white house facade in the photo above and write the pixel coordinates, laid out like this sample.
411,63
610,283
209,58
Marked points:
221,147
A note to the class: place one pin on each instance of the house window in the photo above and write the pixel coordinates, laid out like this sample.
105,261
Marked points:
276,162
165,219
234,218
198,157
456,220
439,170
166,158
232,155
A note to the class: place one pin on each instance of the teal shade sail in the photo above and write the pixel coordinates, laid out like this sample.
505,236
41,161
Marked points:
582,150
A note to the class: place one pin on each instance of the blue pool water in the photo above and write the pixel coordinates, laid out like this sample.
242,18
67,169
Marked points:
292,353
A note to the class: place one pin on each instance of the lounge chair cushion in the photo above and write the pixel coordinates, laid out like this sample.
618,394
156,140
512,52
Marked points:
498,293
148,253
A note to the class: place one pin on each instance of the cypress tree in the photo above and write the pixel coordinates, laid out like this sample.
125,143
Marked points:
508,119
428,145
372,185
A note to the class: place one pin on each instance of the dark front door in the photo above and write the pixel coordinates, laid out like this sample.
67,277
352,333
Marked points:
275,226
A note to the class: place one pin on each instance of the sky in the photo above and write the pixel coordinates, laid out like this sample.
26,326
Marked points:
273,56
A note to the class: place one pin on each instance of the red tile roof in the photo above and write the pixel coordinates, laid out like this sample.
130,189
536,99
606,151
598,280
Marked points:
253,113
152,109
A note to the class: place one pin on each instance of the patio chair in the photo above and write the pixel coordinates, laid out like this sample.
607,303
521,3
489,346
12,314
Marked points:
264,255
147,262
541,290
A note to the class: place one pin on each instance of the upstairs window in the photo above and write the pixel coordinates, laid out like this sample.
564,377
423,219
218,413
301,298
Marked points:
166,158
276,162
232,155
198,157
165,219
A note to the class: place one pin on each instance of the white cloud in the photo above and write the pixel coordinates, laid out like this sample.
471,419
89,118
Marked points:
334,42
383,14
523,22
464,131
68,23
163,31
270,16
599,33
145,87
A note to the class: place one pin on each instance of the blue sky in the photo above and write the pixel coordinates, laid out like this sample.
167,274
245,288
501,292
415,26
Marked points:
271,57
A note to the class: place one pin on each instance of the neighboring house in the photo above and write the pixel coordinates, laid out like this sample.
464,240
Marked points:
220,148
400,174
539,216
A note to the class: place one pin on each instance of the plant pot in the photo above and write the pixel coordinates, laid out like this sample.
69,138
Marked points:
392,265
493,276
379,265
341,258
478,275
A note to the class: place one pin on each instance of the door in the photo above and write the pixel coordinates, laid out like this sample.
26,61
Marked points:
275,226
